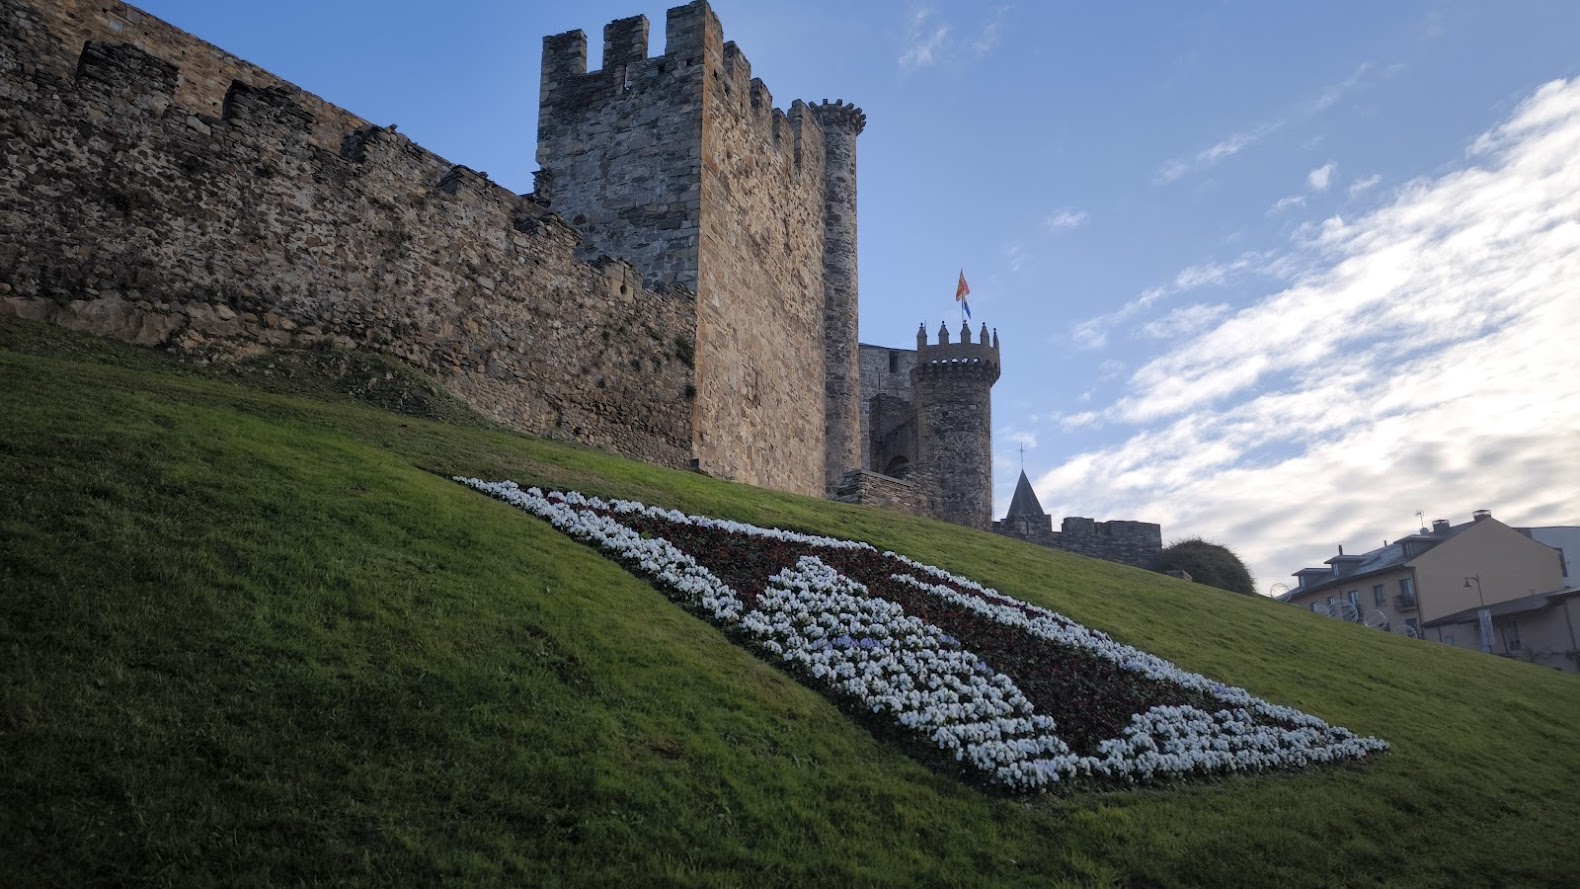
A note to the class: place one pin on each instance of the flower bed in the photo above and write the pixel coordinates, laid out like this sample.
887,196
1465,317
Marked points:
1019,696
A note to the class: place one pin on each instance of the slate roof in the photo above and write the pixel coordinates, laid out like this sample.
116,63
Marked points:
1384,558
1521,605
1025,502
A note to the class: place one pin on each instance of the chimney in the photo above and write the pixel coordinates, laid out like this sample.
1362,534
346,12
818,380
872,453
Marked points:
1480,514
1440,526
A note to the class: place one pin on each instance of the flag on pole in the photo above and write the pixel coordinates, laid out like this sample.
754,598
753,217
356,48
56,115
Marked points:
963,290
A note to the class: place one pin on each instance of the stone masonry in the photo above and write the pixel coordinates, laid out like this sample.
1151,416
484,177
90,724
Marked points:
680,164
951,388
126,213
680,288
1130,543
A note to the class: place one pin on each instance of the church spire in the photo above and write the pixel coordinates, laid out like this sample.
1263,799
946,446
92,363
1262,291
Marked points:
1025,502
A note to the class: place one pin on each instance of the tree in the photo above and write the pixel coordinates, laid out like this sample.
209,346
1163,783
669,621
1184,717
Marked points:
1206,562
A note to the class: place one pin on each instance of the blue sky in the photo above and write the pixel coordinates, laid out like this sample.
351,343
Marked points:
1277,275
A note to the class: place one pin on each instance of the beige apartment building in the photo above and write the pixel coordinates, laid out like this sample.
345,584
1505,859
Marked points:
1480,585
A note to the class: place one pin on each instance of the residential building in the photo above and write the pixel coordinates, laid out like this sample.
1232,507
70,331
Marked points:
1480,585
1565,539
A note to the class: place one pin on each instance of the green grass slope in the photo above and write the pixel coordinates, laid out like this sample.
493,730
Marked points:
250,635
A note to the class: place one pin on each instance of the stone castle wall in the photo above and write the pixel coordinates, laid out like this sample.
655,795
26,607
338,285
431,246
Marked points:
681,164
887,372
234,228
760,300
951,388
1130,543
841,124
207,71
876,489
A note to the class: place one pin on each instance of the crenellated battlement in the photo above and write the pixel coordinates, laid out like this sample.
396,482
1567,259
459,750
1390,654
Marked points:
267,108
126,74
838,115
696,59
688,254
976,359
693,42
231,218
624,42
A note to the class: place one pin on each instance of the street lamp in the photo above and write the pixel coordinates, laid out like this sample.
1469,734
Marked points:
1483,616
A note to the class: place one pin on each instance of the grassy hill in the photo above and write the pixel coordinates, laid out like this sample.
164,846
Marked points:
250,634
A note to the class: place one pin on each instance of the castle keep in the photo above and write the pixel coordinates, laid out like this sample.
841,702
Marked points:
680,288
681,165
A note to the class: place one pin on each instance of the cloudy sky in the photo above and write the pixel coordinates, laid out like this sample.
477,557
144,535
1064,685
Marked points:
1276,277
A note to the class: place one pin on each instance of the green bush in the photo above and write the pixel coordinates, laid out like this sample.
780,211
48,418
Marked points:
1206,562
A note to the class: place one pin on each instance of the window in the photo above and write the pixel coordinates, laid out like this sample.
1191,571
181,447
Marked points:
1448,639
1406,591
1316,608
1511,636
1379,595
894,362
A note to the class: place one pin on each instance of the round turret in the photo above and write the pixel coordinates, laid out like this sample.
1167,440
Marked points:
951,388
841,124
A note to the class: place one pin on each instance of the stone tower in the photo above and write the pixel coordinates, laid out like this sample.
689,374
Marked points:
841,125
681,165
951,391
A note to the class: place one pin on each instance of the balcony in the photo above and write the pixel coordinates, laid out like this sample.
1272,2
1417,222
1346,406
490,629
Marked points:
1404,602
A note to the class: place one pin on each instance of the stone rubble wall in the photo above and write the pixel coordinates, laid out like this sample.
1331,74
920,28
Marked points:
680,164
876,489
841,124
952,390
129,213
1129,543
207,71
877,378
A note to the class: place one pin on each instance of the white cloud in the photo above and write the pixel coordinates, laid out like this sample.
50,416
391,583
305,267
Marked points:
1063,218
1421,355
1015,254
1285,203
1090,334
1216,152
1237,142
1361,186
1184,321
923,40
1024,439
1322,177
1093,332
927,41
987,39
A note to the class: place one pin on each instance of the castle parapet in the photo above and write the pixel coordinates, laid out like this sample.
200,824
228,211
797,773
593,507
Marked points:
268,108
126,74
979,358
624,42
838,115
